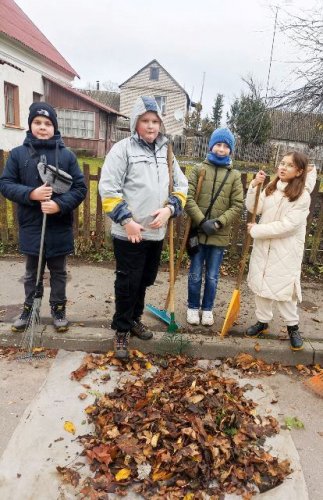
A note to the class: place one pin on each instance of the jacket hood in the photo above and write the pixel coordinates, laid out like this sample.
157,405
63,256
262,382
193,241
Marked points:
141,106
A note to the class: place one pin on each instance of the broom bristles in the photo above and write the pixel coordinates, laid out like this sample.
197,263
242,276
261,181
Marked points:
316,384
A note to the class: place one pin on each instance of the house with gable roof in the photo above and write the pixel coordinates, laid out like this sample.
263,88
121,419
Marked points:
171,97
32,69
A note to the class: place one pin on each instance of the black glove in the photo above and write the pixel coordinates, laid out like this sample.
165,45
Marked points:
209,226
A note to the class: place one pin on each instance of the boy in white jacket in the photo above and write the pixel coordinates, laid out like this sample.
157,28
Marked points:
276,258
134,187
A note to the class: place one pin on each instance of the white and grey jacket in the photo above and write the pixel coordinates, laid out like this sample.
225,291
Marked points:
135,183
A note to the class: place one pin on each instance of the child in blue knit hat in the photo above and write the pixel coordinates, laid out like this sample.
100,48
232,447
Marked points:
219,204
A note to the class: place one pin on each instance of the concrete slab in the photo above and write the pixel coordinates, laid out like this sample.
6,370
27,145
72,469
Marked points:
40,443
83,338
318,352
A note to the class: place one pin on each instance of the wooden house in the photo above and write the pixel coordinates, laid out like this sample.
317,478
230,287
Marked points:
154,80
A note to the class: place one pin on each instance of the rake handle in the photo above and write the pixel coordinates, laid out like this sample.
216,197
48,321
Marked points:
186,233
41,257
171,232
248,240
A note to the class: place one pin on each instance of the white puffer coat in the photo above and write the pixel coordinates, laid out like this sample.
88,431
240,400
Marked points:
276,258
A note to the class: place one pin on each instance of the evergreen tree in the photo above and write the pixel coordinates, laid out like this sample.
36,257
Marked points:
217,111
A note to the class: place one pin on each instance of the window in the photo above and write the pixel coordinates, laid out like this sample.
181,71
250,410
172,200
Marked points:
74,123
36,97
11,104
154,73
161,101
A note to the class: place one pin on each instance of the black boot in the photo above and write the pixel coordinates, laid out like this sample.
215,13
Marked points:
58,311
22,322
296,341
140,330
257,329
121,343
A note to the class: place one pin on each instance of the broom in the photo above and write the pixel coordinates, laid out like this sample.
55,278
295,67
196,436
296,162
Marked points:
316,384
162,313
234,306
27,343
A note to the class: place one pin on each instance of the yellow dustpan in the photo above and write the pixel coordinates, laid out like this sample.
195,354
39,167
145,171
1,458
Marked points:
234,306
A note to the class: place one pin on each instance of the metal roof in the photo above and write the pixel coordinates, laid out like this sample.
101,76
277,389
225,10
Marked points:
83,96
15,24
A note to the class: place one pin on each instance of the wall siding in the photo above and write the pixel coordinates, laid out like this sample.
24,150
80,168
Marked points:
165,86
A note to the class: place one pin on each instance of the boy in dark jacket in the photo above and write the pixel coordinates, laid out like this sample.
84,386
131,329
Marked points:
22,184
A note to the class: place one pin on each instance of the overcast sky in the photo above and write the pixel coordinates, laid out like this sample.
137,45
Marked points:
110,40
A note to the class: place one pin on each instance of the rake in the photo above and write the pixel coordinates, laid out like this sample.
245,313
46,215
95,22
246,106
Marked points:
27,343
316,384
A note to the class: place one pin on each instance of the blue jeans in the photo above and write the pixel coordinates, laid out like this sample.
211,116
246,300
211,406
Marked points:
210,256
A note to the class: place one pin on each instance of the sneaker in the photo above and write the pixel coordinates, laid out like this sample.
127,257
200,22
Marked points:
193,316
22,322
121,343
296,341
60,322
207,318
140,330
257,329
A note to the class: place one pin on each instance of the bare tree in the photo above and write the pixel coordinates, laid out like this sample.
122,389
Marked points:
306,32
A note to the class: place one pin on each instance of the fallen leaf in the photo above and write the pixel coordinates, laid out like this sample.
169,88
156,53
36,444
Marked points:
257,347
123,474
293,423
69,427
82,395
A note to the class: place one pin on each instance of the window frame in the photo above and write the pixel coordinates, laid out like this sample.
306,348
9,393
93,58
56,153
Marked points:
73,122
152,70
11,105
163,103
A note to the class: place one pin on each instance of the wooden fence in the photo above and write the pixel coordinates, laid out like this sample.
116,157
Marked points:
90,224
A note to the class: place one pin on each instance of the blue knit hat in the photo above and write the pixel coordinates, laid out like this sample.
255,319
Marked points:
222,135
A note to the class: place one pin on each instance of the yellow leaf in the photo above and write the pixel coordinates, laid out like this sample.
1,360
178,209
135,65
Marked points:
148,365
139,354
38,349
154,440
90,409
189,496
161,475
102,367
69,427
123,474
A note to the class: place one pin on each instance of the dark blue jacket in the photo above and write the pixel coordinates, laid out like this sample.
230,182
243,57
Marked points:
20,178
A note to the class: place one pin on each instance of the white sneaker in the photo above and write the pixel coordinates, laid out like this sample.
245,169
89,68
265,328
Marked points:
193,317
207,318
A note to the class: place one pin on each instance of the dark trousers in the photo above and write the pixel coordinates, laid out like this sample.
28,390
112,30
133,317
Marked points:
58,277
136,269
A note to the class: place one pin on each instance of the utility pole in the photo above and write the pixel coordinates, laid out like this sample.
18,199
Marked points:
202,89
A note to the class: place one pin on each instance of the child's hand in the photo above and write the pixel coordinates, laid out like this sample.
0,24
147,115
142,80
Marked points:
161,217
133,230
250,226
49,207
259,179
42,193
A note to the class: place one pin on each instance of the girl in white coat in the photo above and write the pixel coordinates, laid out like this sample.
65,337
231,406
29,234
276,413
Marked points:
276,258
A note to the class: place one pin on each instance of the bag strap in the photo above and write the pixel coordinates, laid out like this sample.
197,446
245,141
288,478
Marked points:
208,211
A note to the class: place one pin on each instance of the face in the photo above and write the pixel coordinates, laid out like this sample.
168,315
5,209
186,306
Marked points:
148,126
287,171
221,149
42,127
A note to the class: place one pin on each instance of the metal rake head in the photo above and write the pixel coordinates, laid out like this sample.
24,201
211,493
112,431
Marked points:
29,352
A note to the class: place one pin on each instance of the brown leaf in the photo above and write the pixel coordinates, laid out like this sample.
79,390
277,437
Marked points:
69,475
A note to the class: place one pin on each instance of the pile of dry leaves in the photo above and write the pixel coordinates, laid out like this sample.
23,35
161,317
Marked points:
182,433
